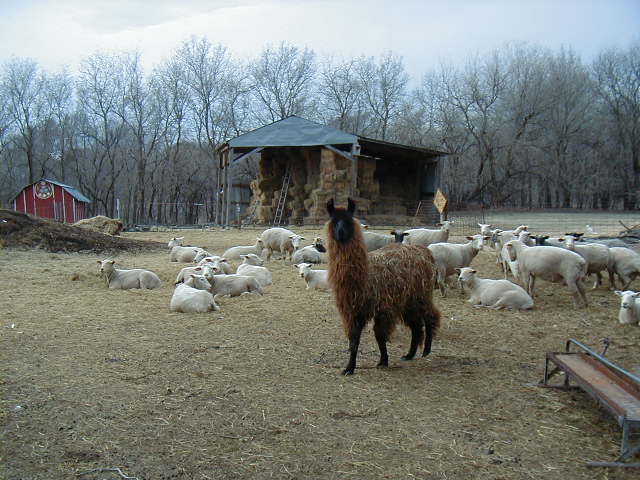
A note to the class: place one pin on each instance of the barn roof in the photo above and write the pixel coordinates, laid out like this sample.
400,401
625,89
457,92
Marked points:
292,131
75,193
295,131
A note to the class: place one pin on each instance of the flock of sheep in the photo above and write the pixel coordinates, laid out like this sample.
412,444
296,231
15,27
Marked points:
526,257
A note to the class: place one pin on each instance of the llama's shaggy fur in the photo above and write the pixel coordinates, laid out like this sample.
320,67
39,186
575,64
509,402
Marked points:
393,284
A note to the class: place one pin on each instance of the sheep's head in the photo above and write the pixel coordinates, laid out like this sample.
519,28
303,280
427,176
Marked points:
341,226
628,299
106,266
398,237
175,241
200,255
303,268
198,281
296,241
477,241
465,274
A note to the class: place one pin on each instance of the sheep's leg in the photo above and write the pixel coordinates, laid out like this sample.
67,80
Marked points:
354,343
598,281
415,322
612,279
442,279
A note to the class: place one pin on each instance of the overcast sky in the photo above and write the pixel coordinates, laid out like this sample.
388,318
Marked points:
423,32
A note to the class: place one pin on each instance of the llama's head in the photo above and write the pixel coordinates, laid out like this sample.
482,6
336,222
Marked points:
341,224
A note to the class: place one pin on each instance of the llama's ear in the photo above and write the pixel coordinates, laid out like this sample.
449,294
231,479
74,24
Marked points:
330,207
351,206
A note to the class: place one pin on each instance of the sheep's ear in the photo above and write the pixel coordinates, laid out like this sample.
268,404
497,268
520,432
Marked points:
561,239
474,271
330,207
295,265
469,238
458,271
351,206
112,262
486,237
618,293
198,268
392,232
224,260
99,261
365,226
635,295
301,238
404,234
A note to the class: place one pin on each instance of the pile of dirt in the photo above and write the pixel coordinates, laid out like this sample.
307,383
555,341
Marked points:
20,230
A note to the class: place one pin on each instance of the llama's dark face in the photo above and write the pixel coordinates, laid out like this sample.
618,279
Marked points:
342,222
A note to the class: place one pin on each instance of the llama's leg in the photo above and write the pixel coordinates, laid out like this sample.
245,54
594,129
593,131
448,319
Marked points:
431,323
415,322
381,329
354,343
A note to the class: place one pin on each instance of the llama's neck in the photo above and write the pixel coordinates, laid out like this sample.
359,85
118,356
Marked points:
348,263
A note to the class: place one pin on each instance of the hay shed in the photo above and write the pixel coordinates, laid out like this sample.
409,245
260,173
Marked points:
310,163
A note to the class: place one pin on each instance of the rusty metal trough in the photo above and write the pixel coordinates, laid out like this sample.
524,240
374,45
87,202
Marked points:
614,388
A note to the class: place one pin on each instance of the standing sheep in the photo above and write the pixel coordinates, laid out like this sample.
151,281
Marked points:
367,286
596,256
625,263
127,279
281,240
495,294
425,236
552,264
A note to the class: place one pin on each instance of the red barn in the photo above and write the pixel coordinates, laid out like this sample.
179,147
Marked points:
51,199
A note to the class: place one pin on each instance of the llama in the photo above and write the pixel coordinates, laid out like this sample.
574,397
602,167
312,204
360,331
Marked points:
392,284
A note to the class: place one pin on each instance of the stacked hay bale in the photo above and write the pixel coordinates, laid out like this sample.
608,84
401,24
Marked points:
110,226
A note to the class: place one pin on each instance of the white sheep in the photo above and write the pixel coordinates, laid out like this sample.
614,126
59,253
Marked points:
315,279
629,313
495,294
425,236
201,255
625,263
262,274
512,266
552,264
126,279
183,254
193,296
278,239
314,253
217,261
449,256
234,253
231,285
596,255
374,241
186,271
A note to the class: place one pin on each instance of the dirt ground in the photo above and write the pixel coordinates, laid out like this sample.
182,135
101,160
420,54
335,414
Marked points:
96,379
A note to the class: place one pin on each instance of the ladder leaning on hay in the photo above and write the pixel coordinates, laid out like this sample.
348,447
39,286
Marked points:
611,386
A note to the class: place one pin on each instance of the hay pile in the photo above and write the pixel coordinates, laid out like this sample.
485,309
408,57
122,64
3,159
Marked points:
20,230
102,224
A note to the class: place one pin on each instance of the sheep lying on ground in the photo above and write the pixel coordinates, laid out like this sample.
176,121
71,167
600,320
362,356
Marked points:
449,256
248,267
314,253
629,313
126,279
186,271
596,255
281,240
231,285
181,254
315,279
625,263
552,264
217,261
425,236
495,294
234,253
193,296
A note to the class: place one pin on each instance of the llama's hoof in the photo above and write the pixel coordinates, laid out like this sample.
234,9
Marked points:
407,358
348,371
382,365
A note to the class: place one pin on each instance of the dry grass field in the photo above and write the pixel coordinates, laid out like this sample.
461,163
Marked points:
96,379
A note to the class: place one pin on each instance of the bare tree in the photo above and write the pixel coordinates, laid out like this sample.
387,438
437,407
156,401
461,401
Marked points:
281,79
384,88
22,81
617,83
59,94
340,95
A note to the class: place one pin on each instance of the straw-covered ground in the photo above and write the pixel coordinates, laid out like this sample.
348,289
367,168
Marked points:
97,379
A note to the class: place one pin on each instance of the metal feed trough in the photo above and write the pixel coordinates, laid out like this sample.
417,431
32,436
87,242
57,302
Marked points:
611,386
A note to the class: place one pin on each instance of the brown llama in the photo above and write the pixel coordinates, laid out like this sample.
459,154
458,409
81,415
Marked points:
392,284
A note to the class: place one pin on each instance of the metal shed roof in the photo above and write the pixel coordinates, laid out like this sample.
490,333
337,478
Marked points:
72,191
292,131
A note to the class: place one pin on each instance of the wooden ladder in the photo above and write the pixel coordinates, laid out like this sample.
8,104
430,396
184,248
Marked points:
277,217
